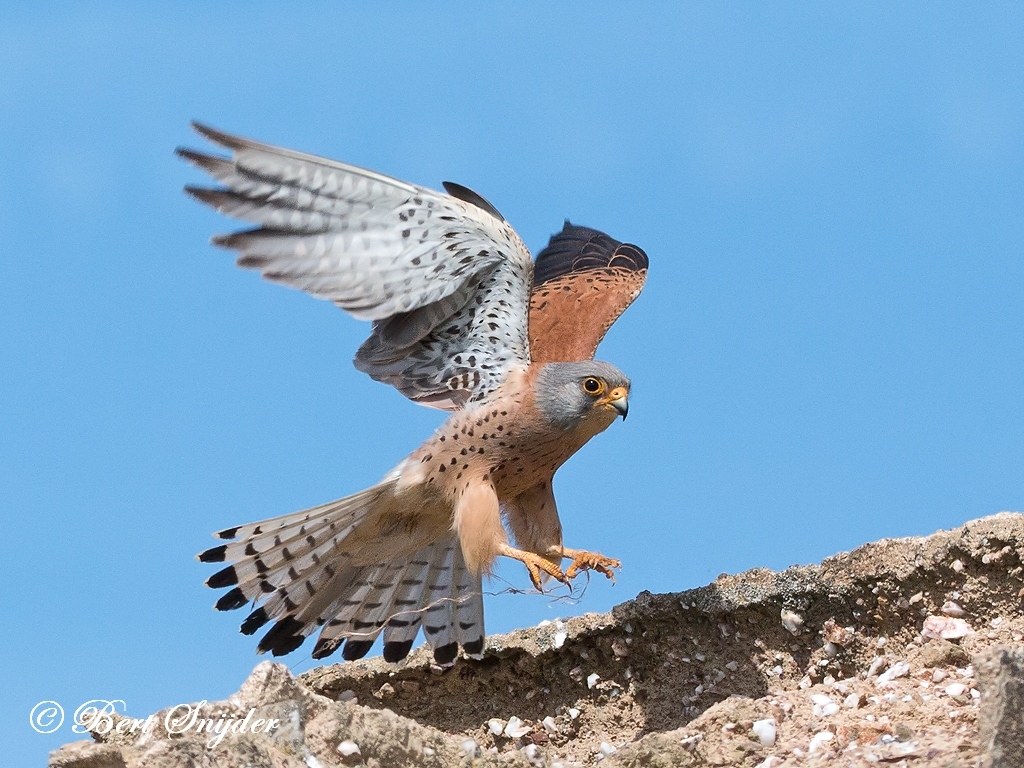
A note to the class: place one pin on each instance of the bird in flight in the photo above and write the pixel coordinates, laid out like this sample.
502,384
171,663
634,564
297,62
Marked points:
462,320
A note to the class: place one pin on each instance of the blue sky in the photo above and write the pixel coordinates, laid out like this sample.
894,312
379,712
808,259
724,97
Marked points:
830,348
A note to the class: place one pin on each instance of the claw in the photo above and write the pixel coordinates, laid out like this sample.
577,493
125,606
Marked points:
535,564
586,561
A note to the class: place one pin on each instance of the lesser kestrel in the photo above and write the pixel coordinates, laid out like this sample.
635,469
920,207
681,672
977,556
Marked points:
463,320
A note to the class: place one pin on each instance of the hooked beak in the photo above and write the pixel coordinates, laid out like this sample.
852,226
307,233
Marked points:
618,399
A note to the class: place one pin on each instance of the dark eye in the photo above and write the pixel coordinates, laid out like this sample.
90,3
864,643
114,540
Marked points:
593,386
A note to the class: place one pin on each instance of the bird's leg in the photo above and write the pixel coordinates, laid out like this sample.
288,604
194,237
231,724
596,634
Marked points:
583,561
535,564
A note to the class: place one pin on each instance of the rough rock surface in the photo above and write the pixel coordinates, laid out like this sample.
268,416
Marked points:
869,657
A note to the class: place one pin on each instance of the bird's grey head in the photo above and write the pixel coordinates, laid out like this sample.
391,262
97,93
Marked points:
585,393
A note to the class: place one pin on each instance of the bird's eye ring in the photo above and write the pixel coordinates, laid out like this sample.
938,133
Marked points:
593,386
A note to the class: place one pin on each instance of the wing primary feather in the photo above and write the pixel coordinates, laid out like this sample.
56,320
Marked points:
444,274
469,196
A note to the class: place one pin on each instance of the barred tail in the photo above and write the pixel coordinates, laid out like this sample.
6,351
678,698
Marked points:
296,571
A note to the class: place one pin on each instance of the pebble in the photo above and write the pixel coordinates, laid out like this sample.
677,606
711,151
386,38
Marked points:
573,713
469,746
792,621
592,679
939,675
732,666
946,628
955,689
819,740
347,748
952,609
515,729
852,701
833,633
876,665
495,726
559,639
550,725
348,696
766,731
691,741
824,706
957,566
899,669
533,754
619,648
606,748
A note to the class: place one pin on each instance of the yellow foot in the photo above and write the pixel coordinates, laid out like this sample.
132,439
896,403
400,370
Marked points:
586,561
536,564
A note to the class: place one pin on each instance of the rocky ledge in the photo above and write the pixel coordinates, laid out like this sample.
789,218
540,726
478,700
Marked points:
903,651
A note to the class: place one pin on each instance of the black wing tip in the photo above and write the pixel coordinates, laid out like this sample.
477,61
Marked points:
217,136
191,155
467,195
200,159
208,195
577,248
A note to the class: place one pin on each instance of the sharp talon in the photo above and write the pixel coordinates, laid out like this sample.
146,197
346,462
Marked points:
535,564
589,561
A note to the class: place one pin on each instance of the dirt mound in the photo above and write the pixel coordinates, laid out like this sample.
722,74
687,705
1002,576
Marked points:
867,656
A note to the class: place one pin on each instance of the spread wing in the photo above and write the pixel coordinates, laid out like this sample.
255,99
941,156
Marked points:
443,277
583,280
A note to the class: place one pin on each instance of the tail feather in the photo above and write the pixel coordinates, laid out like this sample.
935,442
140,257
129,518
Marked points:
362,623
403,626
438,619
297,572
296,551
469,609
266,535
422,590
